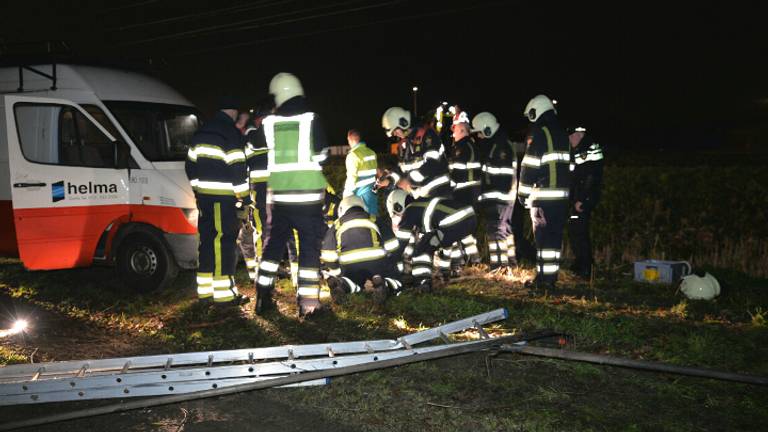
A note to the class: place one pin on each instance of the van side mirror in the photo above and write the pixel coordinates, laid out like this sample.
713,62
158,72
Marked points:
122,154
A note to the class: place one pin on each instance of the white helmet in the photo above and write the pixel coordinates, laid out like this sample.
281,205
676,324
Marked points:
486,124
460,117
396,202
285,86
538,106
394,118
349,202
700,288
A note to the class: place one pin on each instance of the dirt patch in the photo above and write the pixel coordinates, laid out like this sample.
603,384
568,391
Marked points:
55,336
242,412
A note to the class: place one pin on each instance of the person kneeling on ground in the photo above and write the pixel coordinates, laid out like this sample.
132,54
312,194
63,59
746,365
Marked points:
423,226
355,250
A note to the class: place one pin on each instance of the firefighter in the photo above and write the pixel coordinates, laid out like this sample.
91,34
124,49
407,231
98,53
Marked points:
464,166
330,206
330,213
426,172
423,226
423,161
408,151
215,167
297,147
246,238
519,247
586,182
464,163
544,186
252,232
361,173
427,176
355,250
499,189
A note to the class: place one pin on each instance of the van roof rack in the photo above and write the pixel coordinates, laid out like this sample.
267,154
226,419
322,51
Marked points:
44,51
52,76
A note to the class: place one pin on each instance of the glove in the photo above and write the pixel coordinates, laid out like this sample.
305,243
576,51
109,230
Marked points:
437,238
431,239
243,211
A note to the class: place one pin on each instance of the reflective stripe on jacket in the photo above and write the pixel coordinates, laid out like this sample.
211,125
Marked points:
545,173
215,162
295,174
361,168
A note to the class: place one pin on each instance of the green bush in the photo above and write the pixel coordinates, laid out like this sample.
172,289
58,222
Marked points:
711,216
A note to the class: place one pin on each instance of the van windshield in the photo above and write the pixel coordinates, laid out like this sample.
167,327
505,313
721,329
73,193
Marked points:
162,132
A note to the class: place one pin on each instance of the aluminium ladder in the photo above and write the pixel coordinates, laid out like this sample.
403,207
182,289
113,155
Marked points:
190,372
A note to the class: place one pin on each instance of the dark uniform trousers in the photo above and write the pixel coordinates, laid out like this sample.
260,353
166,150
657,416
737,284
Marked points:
548,220
307,220
423,252
365,271
218,226
466,196
498,228
252,235
523,249
578,230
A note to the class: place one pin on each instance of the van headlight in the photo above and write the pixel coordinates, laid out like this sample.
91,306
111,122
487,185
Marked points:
192,215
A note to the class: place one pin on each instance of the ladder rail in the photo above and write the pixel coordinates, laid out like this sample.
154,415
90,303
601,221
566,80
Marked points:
141,390
196,374
185,359
15,373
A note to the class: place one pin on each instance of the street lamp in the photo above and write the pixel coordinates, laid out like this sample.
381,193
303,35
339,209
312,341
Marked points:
415,93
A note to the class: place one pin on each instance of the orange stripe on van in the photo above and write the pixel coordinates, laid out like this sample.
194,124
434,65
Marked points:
66,237
167,219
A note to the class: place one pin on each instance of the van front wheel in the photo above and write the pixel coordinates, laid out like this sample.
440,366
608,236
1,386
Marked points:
144,263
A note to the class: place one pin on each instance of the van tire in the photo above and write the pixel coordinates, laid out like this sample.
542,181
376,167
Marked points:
144,263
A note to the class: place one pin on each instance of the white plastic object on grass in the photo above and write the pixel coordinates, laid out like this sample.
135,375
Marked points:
700,287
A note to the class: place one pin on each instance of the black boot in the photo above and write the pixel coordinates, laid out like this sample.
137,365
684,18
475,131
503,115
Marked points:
380,290
339,289
264,302
537,285
424,286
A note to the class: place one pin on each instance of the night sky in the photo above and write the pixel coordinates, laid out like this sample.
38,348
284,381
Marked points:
638,76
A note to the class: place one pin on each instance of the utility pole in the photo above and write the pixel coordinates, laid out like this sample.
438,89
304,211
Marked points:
415,97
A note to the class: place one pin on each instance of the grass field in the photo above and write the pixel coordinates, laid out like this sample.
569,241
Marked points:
87,314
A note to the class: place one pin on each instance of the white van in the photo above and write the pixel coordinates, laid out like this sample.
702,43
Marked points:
92,171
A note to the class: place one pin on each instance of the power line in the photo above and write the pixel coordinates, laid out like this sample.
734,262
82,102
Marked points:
343,28
128,6
224,27
358,9
238,8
